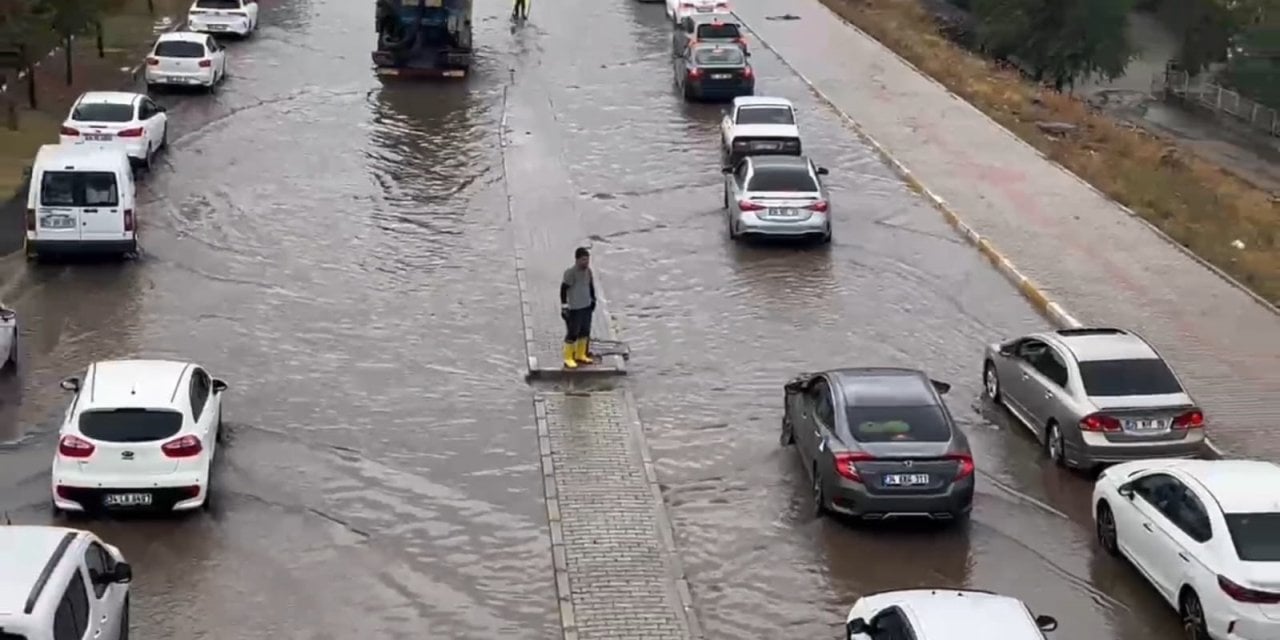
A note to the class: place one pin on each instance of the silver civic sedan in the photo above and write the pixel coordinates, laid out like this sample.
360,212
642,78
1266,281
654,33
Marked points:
777,196
879,443
1094,396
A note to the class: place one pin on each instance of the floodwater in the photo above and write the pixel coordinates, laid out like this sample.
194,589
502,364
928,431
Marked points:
339,251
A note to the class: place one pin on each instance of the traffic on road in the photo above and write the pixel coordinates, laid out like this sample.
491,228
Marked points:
337,281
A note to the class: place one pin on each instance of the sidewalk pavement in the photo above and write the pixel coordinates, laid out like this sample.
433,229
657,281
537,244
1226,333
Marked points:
1094,258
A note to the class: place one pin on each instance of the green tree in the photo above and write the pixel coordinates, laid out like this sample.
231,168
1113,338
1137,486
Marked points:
24,34
70,18
1058,40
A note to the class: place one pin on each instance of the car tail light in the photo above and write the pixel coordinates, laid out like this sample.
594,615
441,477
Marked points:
1245,594
152,61
190,491
845,462
820,206
74,447
31,219
206,63
128,219
131,133
1193,419
747,205
65,492
1099,422
695,73
184,447
722,5
966,465
686,5
69,131
748,73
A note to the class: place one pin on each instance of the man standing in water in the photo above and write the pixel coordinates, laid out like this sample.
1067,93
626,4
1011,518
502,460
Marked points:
577,303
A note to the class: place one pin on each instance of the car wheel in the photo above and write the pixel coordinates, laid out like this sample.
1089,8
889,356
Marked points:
725,205
1193,623
1107,529
218,436
733,233
146,159
788,435
164,137
826,237
819,496
1054,445
991,381
124,620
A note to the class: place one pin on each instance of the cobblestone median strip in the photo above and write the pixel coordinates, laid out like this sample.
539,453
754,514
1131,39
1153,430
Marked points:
617,572
1026,287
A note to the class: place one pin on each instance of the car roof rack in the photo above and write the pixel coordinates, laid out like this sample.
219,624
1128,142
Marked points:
1092,331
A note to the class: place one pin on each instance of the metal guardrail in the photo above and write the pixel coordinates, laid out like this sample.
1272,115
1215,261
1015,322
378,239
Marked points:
1180,85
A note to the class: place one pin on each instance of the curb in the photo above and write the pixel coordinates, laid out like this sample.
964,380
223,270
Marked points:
1028,288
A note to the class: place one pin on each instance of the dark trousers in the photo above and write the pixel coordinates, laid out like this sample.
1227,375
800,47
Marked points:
577,324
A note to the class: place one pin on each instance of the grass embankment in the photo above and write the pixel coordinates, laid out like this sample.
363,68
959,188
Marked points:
128,32
1197,203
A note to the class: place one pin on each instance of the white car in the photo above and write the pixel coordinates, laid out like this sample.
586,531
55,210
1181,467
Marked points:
139,434
677,10
758,125
1205,534
239,17
130,120
944,614
185,58
8,338
60,583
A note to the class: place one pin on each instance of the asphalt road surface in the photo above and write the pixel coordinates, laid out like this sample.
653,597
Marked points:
339,251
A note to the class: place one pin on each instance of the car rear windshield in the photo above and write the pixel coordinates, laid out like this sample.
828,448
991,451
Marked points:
179,49
718,32
726,57
130,425
79,189
1256,536
101,112
782,179
898,424
217,4
1145,377
766,115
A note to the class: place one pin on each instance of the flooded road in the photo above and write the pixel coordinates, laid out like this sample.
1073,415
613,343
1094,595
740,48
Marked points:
339,252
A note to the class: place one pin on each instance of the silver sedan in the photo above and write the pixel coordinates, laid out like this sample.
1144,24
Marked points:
1094,396
777,196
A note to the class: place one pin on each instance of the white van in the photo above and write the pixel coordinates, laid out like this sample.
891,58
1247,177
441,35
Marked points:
81,200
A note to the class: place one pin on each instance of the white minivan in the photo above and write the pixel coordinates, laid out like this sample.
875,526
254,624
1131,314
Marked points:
81,200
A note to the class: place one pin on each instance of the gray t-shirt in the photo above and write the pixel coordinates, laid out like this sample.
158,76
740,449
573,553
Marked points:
579,283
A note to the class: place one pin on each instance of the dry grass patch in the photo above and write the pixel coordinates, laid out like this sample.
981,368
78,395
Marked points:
1197,203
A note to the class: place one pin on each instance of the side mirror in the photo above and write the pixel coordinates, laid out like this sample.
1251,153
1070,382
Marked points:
123,573
160,109
219,385
940,386
1046,623
822,171
726,170
70,384
1007,350
855,627
1126,491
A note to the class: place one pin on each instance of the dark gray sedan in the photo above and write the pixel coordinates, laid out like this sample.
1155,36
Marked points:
879,443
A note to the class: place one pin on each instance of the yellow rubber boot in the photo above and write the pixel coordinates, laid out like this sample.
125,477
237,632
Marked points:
569,361
580,352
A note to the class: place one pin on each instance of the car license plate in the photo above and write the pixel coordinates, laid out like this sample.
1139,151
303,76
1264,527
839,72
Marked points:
906,479
217,27
1145,426
57,222
705,9
99,137
721,76
766,146
127,500
784,213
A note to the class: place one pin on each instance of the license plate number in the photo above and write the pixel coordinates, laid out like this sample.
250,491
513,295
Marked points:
766,146
721,76
99,137
705,9
217,27
127,500
906,479
784,213
1145,426
57,222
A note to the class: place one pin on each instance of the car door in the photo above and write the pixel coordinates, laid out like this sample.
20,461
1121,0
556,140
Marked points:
71,620
1016,381
251,8
218,55
106,596
680,36
823,425
803,423
1153,495
1046,393
58,212
735,184
153,119
203,408
1180,533
726,125
103,196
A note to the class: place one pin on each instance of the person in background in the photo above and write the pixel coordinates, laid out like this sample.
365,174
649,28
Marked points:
577,304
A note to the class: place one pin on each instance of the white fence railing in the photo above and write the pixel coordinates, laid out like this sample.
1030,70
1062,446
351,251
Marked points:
1180,85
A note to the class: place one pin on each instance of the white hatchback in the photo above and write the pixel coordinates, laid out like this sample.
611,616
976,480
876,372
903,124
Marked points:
138,434
1205,534
130,120
185,58
944,614
239,17
678,10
